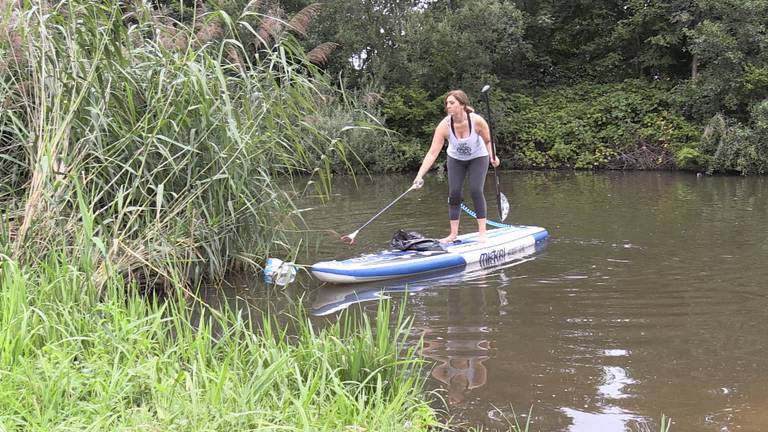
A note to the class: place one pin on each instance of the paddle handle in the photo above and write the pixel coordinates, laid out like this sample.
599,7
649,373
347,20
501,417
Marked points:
493,149
490,123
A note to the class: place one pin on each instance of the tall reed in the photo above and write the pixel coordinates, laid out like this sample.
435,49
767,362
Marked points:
166,139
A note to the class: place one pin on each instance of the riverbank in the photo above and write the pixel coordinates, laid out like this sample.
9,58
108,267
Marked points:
76,356
630,125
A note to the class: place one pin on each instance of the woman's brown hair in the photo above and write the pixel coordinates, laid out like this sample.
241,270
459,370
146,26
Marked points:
461,98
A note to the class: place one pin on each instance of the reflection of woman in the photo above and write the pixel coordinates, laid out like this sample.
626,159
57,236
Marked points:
469,147
459,372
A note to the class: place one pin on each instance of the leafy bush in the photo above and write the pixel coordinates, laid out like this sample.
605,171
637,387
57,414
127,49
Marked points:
411,112
355,120
629,125
728,145
393,129
595,125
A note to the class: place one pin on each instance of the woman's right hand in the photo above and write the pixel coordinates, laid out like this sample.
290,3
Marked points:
418,182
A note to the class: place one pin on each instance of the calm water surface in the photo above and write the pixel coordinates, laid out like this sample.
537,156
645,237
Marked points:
650,297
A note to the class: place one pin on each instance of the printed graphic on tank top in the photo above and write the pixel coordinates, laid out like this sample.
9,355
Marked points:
467,148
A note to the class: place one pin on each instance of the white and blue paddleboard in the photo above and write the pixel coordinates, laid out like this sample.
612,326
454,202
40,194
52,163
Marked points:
466,250
334,298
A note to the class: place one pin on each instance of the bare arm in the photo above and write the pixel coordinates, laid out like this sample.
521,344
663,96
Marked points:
438,140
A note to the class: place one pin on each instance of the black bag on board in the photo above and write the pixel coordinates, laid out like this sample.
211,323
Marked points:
413,241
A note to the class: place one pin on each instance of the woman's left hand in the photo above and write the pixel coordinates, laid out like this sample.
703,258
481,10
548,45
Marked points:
495,162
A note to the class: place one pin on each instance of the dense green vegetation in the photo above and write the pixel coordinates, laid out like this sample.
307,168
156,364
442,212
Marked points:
155,146
584,84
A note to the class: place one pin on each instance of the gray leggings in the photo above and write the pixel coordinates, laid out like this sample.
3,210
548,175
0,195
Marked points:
457,170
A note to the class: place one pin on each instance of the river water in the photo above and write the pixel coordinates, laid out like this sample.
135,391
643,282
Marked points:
649,298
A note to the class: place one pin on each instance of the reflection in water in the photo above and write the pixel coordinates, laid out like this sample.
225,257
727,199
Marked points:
459,362
608,417
651,299
458,351
615,378
603,408
608,420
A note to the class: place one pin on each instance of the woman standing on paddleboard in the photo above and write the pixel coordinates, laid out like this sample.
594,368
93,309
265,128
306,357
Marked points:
469,147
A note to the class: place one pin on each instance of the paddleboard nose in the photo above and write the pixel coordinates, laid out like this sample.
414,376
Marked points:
279,272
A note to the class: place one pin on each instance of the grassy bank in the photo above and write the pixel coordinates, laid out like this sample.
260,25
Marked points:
629,125
138,152
76,359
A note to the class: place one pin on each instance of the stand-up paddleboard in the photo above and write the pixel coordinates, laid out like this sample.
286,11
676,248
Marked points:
466,250
334,298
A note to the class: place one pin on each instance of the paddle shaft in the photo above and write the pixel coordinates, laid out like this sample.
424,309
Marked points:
493,150
382,211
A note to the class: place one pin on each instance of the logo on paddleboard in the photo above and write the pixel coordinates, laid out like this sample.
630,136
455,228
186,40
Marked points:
493,258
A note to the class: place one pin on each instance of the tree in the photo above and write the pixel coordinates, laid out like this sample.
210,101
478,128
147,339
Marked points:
369,34
430,45
728,43
476,42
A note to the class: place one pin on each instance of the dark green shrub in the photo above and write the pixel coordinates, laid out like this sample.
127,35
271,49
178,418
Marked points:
355,119
411,112
632,124
728,145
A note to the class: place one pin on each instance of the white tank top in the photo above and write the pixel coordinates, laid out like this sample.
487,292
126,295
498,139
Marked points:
467,148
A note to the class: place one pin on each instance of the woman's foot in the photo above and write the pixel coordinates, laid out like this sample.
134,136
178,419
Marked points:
449,239
481,231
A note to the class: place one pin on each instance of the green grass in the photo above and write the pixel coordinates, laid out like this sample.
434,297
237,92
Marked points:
73,359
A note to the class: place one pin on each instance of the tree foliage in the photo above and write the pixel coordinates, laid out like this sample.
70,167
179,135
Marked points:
710,55
625,125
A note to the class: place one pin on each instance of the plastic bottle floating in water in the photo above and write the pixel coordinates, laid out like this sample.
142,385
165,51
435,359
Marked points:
279,272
